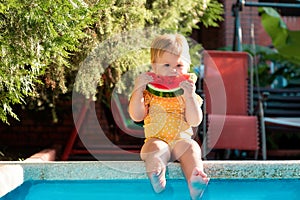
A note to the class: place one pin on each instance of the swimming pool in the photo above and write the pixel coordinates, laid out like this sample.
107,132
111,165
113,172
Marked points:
140,189
127,180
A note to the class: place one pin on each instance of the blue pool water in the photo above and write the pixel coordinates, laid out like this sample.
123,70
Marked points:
242,189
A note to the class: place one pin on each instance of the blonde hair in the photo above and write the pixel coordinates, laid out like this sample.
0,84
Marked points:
172,43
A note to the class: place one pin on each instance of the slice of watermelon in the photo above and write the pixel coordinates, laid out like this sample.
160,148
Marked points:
168,86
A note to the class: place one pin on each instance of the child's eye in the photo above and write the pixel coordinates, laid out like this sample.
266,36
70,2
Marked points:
179,65
166,65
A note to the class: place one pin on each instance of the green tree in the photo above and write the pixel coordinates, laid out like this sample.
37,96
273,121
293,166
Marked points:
172,16
37,39
43,42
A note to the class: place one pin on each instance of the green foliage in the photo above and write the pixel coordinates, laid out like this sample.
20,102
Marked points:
168,16
37,39
183,15
43,43
285,56
286,42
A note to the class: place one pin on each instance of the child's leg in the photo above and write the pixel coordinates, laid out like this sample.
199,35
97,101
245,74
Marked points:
188,153
156,155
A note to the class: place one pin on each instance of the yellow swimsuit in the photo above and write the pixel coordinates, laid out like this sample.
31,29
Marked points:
166,118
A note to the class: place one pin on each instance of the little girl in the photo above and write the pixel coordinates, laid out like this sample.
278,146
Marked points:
168,121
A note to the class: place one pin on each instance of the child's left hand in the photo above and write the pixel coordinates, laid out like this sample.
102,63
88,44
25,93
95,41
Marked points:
188,87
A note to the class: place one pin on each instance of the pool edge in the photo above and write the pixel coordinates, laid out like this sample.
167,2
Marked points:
110,170
135,169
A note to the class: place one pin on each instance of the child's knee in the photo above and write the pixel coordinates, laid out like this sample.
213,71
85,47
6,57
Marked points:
190,147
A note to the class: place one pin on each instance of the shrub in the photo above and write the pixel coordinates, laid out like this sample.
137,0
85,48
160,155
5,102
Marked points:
44,42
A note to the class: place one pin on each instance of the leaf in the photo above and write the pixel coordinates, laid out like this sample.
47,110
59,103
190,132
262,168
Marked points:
287,42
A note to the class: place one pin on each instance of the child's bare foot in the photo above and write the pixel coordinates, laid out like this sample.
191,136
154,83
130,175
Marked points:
157,176
197,183
158,181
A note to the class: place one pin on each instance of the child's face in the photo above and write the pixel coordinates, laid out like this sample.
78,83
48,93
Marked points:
170,65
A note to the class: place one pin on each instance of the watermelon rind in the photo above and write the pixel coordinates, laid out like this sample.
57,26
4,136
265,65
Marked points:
163,92
160,91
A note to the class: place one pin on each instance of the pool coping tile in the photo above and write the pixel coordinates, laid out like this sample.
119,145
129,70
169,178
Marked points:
79,170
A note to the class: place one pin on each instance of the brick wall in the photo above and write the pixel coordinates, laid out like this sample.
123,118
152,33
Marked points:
249,16
213,38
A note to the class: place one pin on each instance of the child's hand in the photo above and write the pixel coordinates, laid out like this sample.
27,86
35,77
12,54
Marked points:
188,87
141,81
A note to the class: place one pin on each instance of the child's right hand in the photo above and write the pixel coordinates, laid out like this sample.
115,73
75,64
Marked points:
141,81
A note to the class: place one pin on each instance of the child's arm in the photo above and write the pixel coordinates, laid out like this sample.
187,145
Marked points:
193,112
137,109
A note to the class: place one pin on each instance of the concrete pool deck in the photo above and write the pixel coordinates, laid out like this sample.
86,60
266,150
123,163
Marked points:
108,170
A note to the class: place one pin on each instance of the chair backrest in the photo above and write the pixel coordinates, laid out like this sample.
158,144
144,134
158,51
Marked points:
229,70
228,100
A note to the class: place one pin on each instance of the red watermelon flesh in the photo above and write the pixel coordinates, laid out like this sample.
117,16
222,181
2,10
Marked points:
168,86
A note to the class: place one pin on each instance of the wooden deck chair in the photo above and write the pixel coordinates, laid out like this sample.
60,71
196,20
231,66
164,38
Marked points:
228,94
